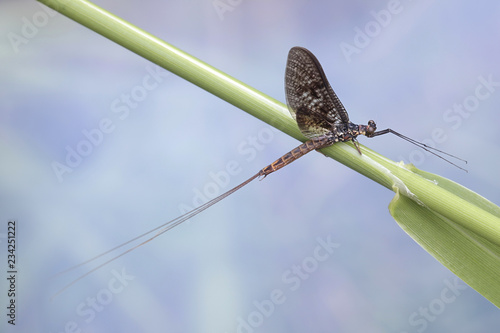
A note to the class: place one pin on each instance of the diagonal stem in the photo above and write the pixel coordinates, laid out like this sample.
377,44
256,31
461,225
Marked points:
394,176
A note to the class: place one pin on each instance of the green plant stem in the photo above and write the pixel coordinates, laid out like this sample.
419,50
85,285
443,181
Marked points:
388,173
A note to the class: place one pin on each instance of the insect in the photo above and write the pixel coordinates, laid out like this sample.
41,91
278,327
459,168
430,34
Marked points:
321,117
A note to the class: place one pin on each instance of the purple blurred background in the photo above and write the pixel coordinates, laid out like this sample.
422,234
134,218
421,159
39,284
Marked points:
414,66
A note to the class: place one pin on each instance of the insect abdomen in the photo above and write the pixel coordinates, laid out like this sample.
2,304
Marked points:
295,153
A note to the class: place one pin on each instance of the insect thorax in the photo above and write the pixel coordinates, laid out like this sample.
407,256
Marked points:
345,132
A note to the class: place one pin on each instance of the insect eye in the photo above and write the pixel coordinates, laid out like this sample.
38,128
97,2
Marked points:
372,127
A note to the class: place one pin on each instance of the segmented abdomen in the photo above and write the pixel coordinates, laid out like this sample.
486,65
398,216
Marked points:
295,153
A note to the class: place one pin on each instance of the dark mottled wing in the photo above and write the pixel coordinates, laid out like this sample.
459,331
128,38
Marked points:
310,98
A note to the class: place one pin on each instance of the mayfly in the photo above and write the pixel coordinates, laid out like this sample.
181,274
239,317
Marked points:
321,117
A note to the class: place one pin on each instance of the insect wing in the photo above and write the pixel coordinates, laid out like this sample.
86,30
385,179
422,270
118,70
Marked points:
310,98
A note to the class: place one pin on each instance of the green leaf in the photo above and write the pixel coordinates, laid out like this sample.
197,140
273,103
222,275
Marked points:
471,257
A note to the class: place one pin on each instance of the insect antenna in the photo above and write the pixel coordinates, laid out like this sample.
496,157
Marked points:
432,150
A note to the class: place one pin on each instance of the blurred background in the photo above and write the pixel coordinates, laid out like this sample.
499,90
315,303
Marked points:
312,248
